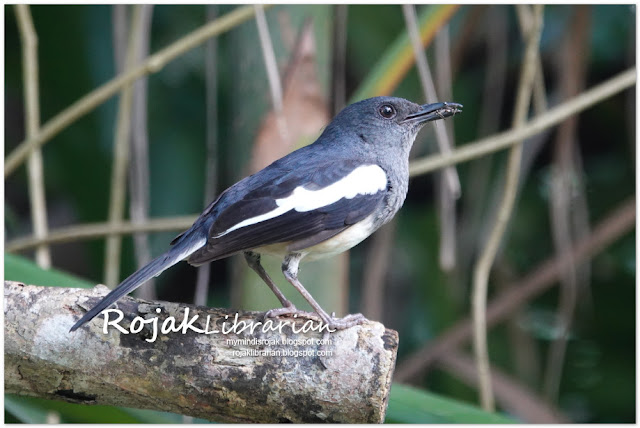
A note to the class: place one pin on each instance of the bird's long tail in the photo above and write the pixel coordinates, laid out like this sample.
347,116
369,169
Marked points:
182,249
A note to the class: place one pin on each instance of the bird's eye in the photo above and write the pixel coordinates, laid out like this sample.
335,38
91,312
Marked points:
387,111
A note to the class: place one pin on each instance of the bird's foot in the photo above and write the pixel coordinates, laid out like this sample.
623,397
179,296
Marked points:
291,310
345,322
332,322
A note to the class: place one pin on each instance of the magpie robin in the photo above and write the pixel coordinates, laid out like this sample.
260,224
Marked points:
317,201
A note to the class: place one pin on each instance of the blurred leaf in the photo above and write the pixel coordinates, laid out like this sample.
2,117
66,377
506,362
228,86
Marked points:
304,106
24,411
398,59
408,405
157,417
17,268
34,411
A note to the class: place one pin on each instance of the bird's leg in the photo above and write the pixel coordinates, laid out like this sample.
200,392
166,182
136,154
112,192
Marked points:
288,308
290,271
253,260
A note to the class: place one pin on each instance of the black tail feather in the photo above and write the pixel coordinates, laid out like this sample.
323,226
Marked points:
154,268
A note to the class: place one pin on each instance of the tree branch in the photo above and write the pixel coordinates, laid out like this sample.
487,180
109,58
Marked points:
344,376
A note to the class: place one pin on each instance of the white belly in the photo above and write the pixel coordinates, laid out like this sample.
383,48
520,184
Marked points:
341,242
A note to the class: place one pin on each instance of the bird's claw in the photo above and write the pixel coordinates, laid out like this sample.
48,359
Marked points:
290,310
345,322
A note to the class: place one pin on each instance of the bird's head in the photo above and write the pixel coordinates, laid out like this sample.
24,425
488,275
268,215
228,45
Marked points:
385,121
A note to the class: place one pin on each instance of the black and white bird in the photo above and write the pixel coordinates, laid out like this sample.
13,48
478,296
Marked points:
315,202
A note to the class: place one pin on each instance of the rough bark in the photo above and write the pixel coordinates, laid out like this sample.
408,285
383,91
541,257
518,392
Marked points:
344,376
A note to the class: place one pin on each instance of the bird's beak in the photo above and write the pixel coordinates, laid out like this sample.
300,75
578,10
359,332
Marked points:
429,112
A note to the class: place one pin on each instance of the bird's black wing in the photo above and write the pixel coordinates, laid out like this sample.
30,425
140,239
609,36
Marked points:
259,217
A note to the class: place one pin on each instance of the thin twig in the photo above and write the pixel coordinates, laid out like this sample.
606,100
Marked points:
496,46
101,94
81,232
35,169
534,145
121,159
444,78
483,266
522,344
448,187
269,56
120,34
474,201
446,200
373,281
273,75
338,76
552,117
468,152
447,218
525,355
139,165
339,58
617,223
566,184
525,19
444,143
211,167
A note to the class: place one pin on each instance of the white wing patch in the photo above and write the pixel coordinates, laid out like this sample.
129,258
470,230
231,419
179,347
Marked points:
364,180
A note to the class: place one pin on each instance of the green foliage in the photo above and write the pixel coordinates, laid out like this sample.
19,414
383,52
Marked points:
409,405
39,411
18,268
